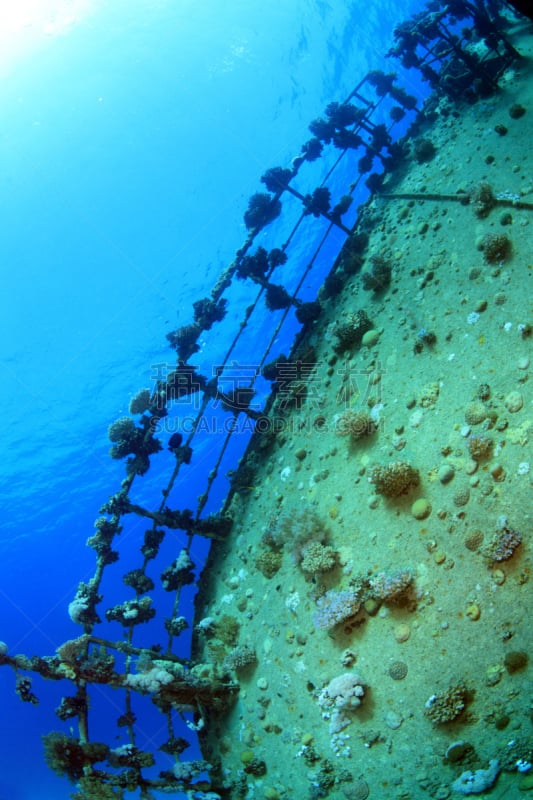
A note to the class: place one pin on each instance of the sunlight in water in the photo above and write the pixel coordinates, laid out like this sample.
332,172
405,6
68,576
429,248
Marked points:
27,24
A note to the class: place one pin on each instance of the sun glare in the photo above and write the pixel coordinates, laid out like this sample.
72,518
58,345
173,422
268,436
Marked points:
28,23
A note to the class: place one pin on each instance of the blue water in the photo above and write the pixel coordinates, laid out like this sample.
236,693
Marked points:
130,143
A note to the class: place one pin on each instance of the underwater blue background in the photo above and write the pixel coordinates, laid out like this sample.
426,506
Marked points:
131,139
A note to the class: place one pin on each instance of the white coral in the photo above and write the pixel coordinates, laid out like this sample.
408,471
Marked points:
77,609
149,682
476,782
342,695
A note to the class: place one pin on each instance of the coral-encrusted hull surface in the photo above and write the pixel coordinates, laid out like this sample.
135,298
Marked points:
397,664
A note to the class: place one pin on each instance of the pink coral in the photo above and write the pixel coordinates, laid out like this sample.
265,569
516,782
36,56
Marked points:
389,587
336,606
504,544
